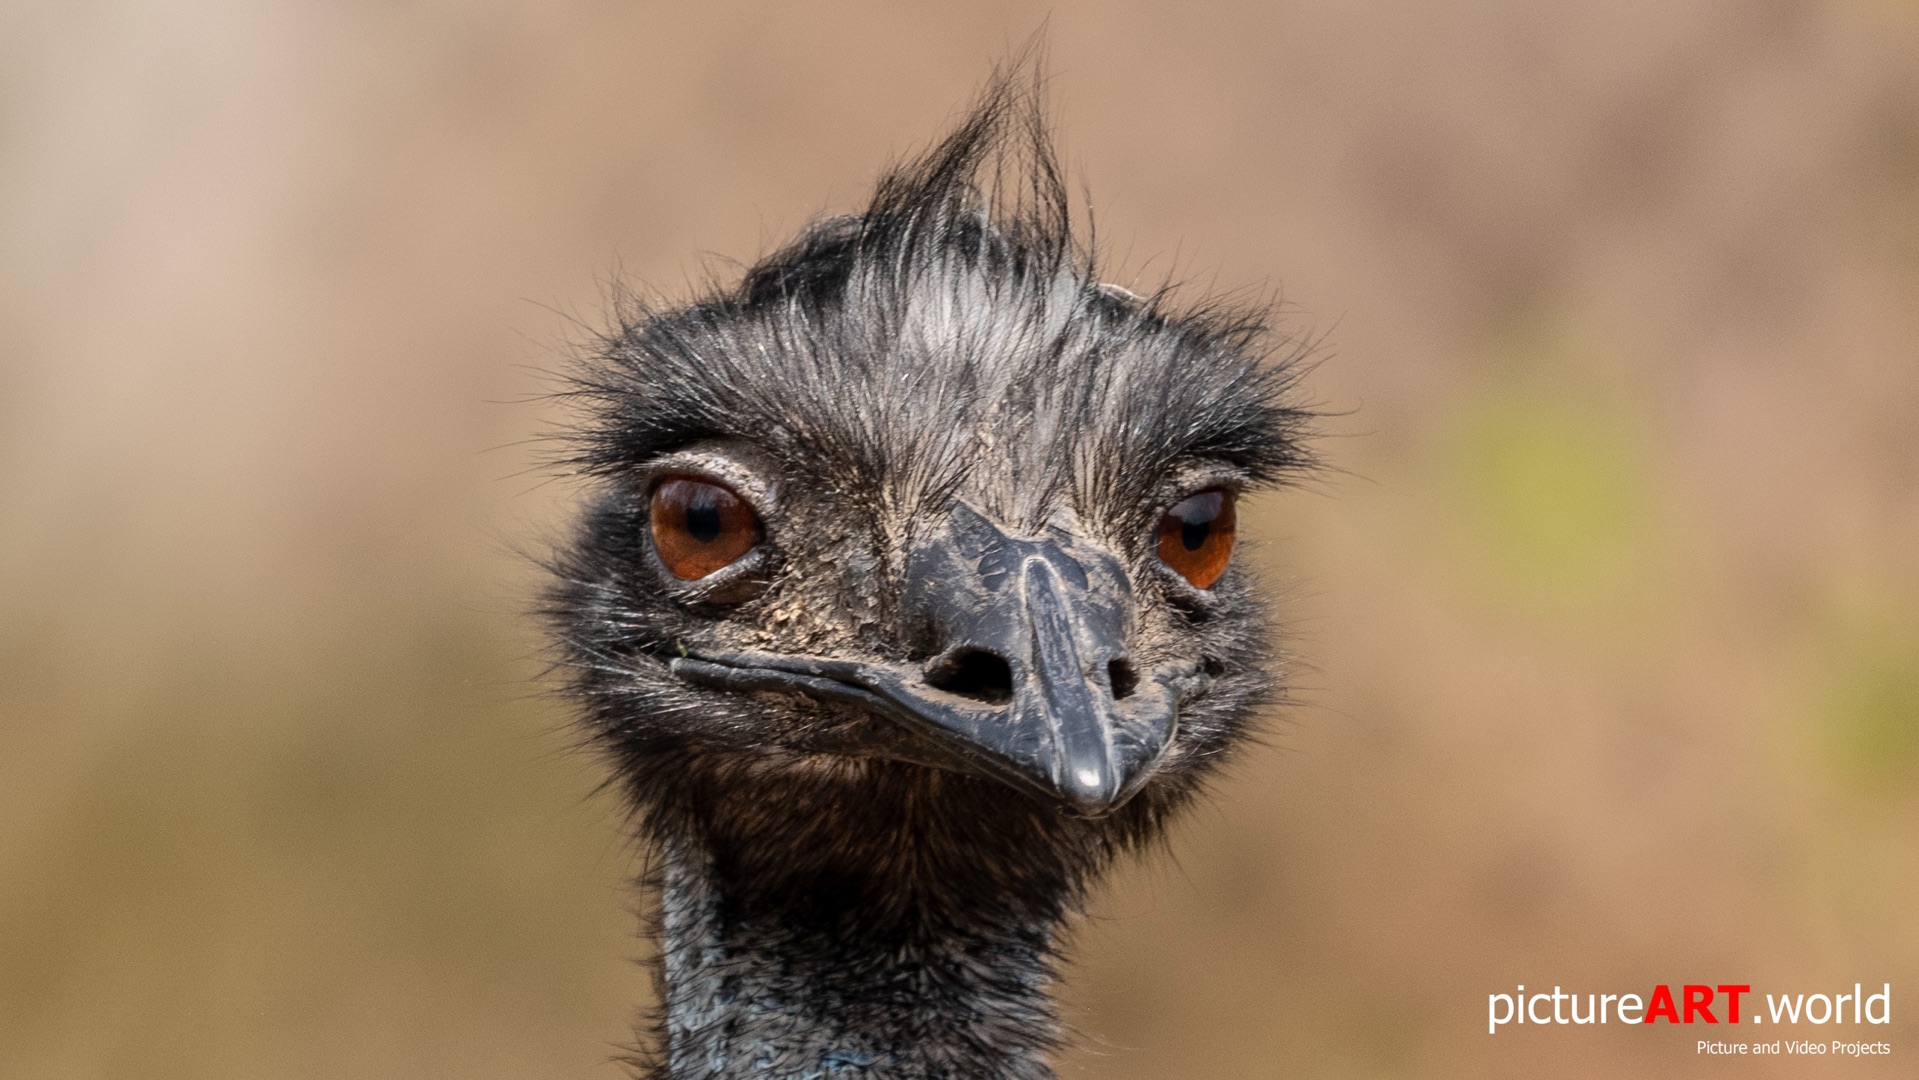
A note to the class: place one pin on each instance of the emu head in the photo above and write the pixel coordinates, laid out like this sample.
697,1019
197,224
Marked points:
918,543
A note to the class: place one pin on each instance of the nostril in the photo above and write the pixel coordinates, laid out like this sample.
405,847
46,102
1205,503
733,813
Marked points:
976,674
1123,679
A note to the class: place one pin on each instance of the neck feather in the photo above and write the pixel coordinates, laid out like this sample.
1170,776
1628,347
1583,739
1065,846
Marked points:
829,986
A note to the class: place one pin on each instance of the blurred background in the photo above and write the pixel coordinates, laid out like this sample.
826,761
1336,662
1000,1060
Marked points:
1609,607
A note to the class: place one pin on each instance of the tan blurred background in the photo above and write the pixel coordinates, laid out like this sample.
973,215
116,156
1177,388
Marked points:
1611,605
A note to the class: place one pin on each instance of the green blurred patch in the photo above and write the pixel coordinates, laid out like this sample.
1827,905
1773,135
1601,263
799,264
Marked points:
1550,483
1866,699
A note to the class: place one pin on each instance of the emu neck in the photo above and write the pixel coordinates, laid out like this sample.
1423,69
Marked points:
843,985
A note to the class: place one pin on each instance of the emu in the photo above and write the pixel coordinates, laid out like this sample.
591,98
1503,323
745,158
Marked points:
903,602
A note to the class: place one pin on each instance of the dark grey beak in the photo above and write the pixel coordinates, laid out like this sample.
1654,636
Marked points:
1032,683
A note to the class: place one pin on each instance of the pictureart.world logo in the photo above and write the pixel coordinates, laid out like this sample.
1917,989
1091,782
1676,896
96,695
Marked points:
1708,1003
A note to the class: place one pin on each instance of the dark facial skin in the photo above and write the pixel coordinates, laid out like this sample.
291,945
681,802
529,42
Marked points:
1030,678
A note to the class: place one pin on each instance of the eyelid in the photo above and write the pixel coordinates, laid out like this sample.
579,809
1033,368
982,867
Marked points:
742,467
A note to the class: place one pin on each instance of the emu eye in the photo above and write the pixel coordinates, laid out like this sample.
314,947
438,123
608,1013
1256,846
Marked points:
700,527
1196,537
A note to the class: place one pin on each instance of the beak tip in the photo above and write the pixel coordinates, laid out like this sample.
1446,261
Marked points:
1090,791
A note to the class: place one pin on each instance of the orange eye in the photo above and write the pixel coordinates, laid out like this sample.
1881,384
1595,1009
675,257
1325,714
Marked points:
1196,537
700,527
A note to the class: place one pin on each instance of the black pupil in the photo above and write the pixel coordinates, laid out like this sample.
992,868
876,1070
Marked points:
1193,533
1196,517
703,517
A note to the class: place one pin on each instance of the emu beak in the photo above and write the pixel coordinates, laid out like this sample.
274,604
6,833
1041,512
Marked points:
1032,686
